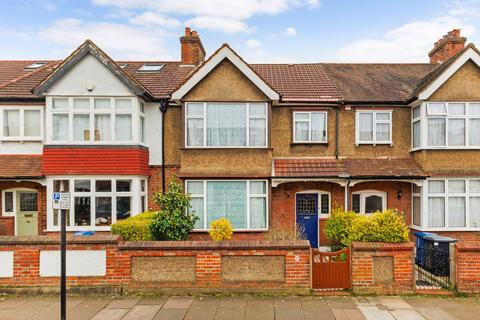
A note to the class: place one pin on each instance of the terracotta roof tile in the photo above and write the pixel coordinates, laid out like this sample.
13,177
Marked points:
391,168
20,166
307,167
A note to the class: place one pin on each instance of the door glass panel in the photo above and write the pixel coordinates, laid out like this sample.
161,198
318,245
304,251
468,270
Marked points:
28,201
373,203
307,204
8,206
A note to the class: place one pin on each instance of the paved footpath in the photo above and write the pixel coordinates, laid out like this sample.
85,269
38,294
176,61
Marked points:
242,308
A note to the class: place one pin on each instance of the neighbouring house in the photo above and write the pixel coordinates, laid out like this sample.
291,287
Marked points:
266,145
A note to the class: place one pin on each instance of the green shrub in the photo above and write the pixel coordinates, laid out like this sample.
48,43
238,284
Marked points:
136,227
345,227
173,222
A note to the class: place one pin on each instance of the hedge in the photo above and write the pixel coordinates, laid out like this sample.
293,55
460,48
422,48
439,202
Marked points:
136,227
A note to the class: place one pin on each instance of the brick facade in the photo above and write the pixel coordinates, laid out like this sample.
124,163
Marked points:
468,267
383,268
155,181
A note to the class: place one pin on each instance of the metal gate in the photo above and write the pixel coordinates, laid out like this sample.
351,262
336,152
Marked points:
331,270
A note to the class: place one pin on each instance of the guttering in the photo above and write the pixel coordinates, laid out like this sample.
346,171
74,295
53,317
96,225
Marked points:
163,109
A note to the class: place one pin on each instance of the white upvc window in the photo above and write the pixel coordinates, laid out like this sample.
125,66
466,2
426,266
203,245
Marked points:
22,123
446,125
226,125
452,204
373,127
243,202
97,202
310,126
97,120
369,201
416,205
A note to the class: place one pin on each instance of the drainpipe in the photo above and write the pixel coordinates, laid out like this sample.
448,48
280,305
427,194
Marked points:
163,109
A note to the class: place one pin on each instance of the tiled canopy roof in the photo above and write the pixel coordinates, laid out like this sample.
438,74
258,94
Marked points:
21,166
354,168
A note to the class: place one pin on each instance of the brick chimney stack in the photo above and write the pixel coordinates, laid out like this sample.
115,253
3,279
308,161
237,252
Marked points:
192,48
447,46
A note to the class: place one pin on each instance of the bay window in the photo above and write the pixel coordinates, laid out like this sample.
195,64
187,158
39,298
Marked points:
98,202
88,120
213,125
22,124
243,202
373,127
448,125
453,203
310,127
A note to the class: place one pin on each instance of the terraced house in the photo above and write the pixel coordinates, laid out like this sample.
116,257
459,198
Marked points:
266,145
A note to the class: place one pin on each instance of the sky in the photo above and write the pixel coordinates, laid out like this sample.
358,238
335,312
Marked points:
272,31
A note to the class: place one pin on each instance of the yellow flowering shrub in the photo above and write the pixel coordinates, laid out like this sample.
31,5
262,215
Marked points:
221,229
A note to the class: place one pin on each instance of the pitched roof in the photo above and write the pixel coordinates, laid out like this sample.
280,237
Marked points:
341,168
21,166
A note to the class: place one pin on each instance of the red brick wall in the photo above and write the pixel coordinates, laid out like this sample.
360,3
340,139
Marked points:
363,277
42,204
468,267
155,181
119,256
7,226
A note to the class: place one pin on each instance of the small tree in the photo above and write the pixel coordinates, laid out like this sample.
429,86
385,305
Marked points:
173,222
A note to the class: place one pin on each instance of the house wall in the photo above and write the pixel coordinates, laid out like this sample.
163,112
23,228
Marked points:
461,86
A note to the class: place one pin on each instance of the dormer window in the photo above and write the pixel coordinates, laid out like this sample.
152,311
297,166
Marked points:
150,67
35,65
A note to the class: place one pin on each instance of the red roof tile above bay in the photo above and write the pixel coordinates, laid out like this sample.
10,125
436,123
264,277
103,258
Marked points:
394,168
20,166
307,167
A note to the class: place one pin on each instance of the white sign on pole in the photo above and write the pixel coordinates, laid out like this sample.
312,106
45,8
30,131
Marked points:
61,200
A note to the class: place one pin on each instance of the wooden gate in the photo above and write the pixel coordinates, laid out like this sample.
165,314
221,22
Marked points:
331,270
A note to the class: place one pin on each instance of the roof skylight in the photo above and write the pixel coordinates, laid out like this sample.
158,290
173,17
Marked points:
123,65
36,65
151,67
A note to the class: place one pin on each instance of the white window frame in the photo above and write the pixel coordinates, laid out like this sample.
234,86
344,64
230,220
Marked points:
249,195
21,124
204,118
70,112
467,194
375,122
419,196
309,120
319,194
367,193
135,193
424,117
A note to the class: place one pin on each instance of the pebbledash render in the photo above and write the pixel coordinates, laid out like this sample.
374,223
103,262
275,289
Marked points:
268,146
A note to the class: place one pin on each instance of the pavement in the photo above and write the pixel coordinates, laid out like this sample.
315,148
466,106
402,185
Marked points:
242,308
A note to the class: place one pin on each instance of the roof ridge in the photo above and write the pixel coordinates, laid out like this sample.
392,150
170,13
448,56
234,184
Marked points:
23,76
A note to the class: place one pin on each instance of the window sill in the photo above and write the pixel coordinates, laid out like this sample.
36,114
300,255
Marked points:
226,148
446,229
357,144
293,144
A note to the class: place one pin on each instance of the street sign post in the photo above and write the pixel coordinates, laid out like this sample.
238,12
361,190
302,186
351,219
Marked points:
61,201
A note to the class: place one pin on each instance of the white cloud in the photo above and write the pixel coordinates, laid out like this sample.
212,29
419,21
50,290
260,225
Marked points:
152,18
226,25
121,41
253,43
291,32
408,43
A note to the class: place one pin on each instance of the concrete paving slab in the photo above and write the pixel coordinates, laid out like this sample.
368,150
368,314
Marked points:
406,314
318,312
110,314
340,302
260,313
260,302
142,312
374,313
289,314
9,303
170,314
158,301
87,309
347,314
201,312
206,301
178,302
313,301
232,302
288,302
434,313
124,303
71,302
230,314
394,303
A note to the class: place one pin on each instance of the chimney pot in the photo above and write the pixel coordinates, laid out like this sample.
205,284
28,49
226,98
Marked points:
187,31
447,46
194,34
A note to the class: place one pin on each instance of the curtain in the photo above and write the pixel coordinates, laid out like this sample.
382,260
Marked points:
256,132
456,132
123,127
301,131
197,209
474,211
365,126
102,127
11,123
436,186
227,199
258,210
383,132
31,119
436,132
456,186
474,132
456,211
60,127
195,132
436,108
81,127
226,125
319,128
436,212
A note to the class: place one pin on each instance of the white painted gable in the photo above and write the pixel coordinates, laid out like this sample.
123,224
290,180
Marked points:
89,72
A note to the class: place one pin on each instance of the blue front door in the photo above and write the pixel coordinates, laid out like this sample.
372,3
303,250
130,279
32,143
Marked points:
307,216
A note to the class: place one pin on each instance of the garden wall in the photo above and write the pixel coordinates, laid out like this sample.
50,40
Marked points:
382,268
468,267
104,262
